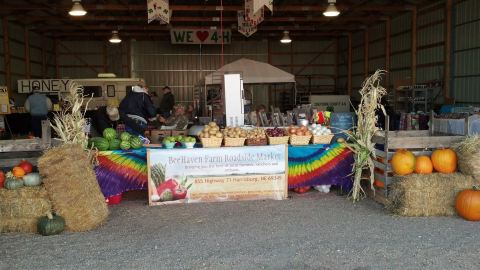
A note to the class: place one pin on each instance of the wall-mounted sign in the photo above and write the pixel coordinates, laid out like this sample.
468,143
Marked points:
244,27
258,4
339,103
158,10
217,174
4,102
44,86
200,36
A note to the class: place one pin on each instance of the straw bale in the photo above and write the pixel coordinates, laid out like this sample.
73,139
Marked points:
427,194
469,164
72,187
20,208
18,225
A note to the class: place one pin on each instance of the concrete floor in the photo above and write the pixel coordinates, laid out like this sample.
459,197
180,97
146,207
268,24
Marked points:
312,231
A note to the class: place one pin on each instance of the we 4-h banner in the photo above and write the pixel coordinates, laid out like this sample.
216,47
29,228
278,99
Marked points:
158,10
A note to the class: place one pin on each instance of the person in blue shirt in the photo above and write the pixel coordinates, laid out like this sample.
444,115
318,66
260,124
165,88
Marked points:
38,105
136,109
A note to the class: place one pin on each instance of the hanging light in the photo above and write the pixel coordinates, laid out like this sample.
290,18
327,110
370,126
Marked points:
77,9
115,37
286,37
331,10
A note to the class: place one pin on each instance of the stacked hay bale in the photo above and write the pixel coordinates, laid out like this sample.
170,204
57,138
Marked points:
468,152
72,187
433,194
21,208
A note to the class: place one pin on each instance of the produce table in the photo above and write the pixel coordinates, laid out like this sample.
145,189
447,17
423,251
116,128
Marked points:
119,171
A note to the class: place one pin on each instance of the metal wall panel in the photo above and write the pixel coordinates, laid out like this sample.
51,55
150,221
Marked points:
376,31
358,68
17,49
376,49
431,35
431,17
401,23
16,32
402,60
401,42
373,65
466,86
358,38
431,55
425,74
358,53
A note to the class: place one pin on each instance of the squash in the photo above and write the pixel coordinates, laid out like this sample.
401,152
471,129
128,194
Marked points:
13,183
2,179
444,160
50,225
32,179
403,162
26,166
18,171
467,204
423,165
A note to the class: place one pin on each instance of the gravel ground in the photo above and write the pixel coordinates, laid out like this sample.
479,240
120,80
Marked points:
311,231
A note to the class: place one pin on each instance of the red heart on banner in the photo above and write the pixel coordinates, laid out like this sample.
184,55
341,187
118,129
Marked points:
202,35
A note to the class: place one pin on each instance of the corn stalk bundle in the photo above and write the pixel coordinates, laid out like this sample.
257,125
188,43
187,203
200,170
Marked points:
70,123
361,140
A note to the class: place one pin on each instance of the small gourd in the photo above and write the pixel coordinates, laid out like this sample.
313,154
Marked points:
32,179
12,183
50,224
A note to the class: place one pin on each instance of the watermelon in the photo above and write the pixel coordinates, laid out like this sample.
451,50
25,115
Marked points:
101,144
109,134
125,145
125,136
115,144
136,143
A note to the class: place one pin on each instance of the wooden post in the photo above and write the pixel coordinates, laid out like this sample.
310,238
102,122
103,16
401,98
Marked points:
269,58
448,47
336,67
44,69
349,71
57,66
414,45
6,55
105,60
28,69
366,47
388,25
129,58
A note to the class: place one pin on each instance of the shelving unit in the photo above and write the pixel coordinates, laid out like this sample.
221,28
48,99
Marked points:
415,98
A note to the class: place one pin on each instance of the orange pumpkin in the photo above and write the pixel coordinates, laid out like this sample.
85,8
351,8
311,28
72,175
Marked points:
18,172
468,204
403,162
423,165
444,160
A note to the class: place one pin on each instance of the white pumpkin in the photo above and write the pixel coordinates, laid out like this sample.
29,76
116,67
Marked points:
32,179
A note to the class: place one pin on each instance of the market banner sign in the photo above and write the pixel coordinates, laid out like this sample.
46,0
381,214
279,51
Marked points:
339,103
244,27
259,4
217,174
252,16
158,10
200,36
48,86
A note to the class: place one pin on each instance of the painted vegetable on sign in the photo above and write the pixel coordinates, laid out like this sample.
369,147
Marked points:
468,204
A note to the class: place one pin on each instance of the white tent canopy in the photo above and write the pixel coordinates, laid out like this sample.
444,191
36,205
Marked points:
252,72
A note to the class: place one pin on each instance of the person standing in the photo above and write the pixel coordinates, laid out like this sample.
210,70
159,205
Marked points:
136,109
38,105
167,103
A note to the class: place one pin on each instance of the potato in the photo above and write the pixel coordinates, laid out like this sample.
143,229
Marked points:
219,135
212,124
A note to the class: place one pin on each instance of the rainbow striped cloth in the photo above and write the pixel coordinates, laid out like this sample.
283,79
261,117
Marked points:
313,165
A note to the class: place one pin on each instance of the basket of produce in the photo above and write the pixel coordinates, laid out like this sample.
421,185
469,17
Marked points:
211,136
256,136
299,135
277,136
321,134
234,136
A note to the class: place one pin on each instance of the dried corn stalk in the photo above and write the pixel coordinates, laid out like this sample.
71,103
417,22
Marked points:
70,123
361,140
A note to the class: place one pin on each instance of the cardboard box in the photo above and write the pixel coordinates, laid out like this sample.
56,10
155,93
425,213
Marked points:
156,136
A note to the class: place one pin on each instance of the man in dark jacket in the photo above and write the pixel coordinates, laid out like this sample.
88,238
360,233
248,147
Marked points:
106,117
136,109
167,103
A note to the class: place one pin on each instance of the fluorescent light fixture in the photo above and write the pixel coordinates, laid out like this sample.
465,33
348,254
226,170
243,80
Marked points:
331,10
77,9
115,38
286,37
